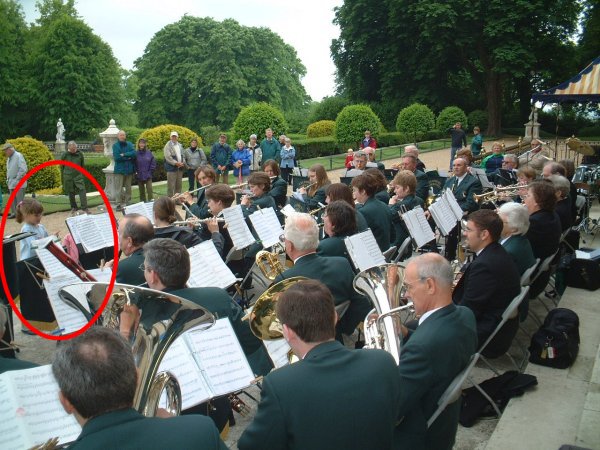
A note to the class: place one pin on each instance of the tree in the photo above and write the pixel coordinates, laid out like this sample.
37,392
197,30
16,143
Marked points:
200,72
449,116
475,55
50,10
414,119
12,69
256,118
353,120
589,41
75,77
329,108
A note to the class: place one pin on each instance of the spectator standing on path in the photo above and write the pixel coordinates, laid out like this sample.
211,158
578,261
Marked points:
270,147
144,168
194,157
174,164
220,157
459,140
124,155
287,154
477,141
255,152
72,179
16,168
368,141
240,160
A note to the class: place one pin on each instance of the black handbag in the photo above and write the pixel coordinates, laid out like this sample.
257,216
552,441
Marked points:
556,342
584,274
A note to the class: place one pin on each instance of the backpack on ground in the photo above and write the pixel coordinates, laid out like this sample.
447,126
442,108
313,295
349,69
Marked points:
556,342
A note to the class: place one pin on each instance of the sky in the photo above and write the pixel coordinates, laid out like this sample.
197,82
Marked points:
128,25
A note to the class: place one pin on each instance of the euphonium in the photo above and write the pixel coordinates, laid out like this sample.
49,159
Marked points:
150,338
383,285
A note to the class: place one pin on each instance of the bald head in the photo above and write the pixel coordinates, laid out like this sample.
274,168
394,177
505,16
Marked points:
134,231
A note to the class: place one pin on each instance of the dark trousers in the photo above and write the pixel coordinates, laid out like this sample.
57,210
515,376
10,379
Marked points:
286,173
191,179
452,241
82,199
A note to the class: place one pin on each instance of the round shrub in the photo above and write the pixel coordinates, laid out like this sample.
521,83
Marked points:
449,116
416,118
256,118
321,128
157,137
478,118
353,120
35,153
329,108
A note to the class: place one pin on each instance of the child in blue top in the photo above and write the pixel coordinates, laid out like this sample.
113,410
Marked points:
241,159
30,211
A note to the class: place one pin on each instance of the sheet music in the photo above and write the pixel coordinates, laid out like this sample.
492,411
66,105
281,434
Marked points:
180,362
220,357
93,232
417,225
287,210
105,226
364,251
68,318
298,196
482,177
34,413
145,209
208,268
52,265
267,226
238,228
454,206
443,215
72,223
278,350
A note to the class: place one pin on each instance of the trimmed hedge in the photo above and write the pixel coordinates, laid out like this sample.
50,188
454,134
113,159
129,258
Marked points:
478,118
415,119
353,120
255,119
321,128
449,116
157,137
35,153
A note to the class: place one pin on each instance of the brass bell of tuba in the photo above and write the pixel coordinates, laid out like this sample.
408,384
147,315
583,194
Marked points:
164,317
383,285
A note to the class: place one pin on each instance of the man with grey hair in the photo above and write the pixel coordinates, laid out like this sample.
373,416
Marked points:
411,150
507,174
97,377
16,169
174,164
410,163
72,179
256,153
301,238
134,231
124,155
563,201
360,164
535,158
432,355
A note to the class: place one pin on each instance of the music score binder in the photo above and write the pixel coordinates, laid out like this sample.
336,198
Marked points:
364,250
446,212
267,226
208,268
237,227
417,226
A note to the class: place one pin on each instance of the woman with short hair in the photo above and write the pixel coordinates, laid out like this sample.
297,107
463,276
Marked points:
339,222
515,219
405,185
341,191
376,213
544,225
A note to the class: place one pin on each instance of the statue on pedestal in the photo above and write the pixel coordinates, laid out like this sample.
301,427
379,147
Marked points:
60,131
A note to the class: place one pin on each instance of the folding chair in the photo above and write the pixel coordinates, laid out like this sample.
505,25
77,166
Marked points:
346,180
509,313
543,273
526,277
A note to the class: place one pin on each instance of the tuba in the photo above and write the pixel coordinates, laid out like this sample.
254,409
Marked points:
383,285
163,319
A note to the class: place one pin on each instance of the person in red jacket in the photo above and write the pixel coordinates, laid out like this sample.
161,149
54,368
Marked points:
368,141
349,159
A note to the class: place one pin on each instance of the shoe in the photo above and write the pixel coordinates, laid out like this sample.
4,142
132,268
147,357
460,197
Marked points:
87,211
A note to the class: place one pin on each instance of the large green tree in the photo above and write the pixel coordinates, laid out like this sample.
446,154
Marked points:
12,69
75,77
472,54
199,71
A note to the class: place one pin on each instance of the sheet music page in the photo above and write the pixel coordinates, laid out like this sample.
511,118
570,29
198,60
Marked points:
68,318
418,227
278,350
72,225
105,226
179,361
267,226
208,268
482,177
53,266
145,209
287,210
364,251
442,215
13,435
36,405
454,206
219,355
238,228
298,196
91,237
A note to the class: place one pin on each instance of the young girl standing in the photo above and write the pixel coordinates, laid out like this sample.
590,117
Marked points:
30,211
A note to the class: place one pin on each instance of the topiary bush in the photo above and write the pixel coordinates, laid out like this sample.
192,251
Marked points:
478,118
35,153
256,118
353,120
321,128
449,116
414,119
157,137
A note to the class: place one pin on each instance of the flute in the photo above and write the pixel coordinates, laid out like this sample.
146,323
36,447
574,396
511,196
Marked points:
176,196
195,221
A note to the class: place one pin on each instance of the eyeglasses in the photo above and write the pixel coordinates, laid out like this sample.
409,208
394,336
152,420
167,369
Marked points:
409,286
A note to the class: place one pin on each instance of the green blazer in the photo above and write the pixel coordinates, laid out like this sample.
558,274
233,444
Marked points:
361,222
127,429
422,190
431,357
262,202
218,302
382,196
319,197
464,191
279,191
337,274
333,246
519,249
377,215
335,398
200,208
129,271
400,230
8,364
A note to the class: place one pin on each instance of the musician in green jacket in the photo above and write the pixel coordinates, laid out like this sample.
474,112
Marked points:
339,221
334,397
97,378
259,184
404,199
376,213
279,187
317,192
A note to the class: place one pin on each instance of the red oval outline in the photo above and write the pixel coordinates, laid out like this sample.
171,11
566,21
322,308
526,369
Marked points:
113,221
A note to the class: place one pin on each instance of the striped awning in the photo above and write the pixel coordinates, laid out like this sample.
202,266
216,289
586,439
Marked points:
583,87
